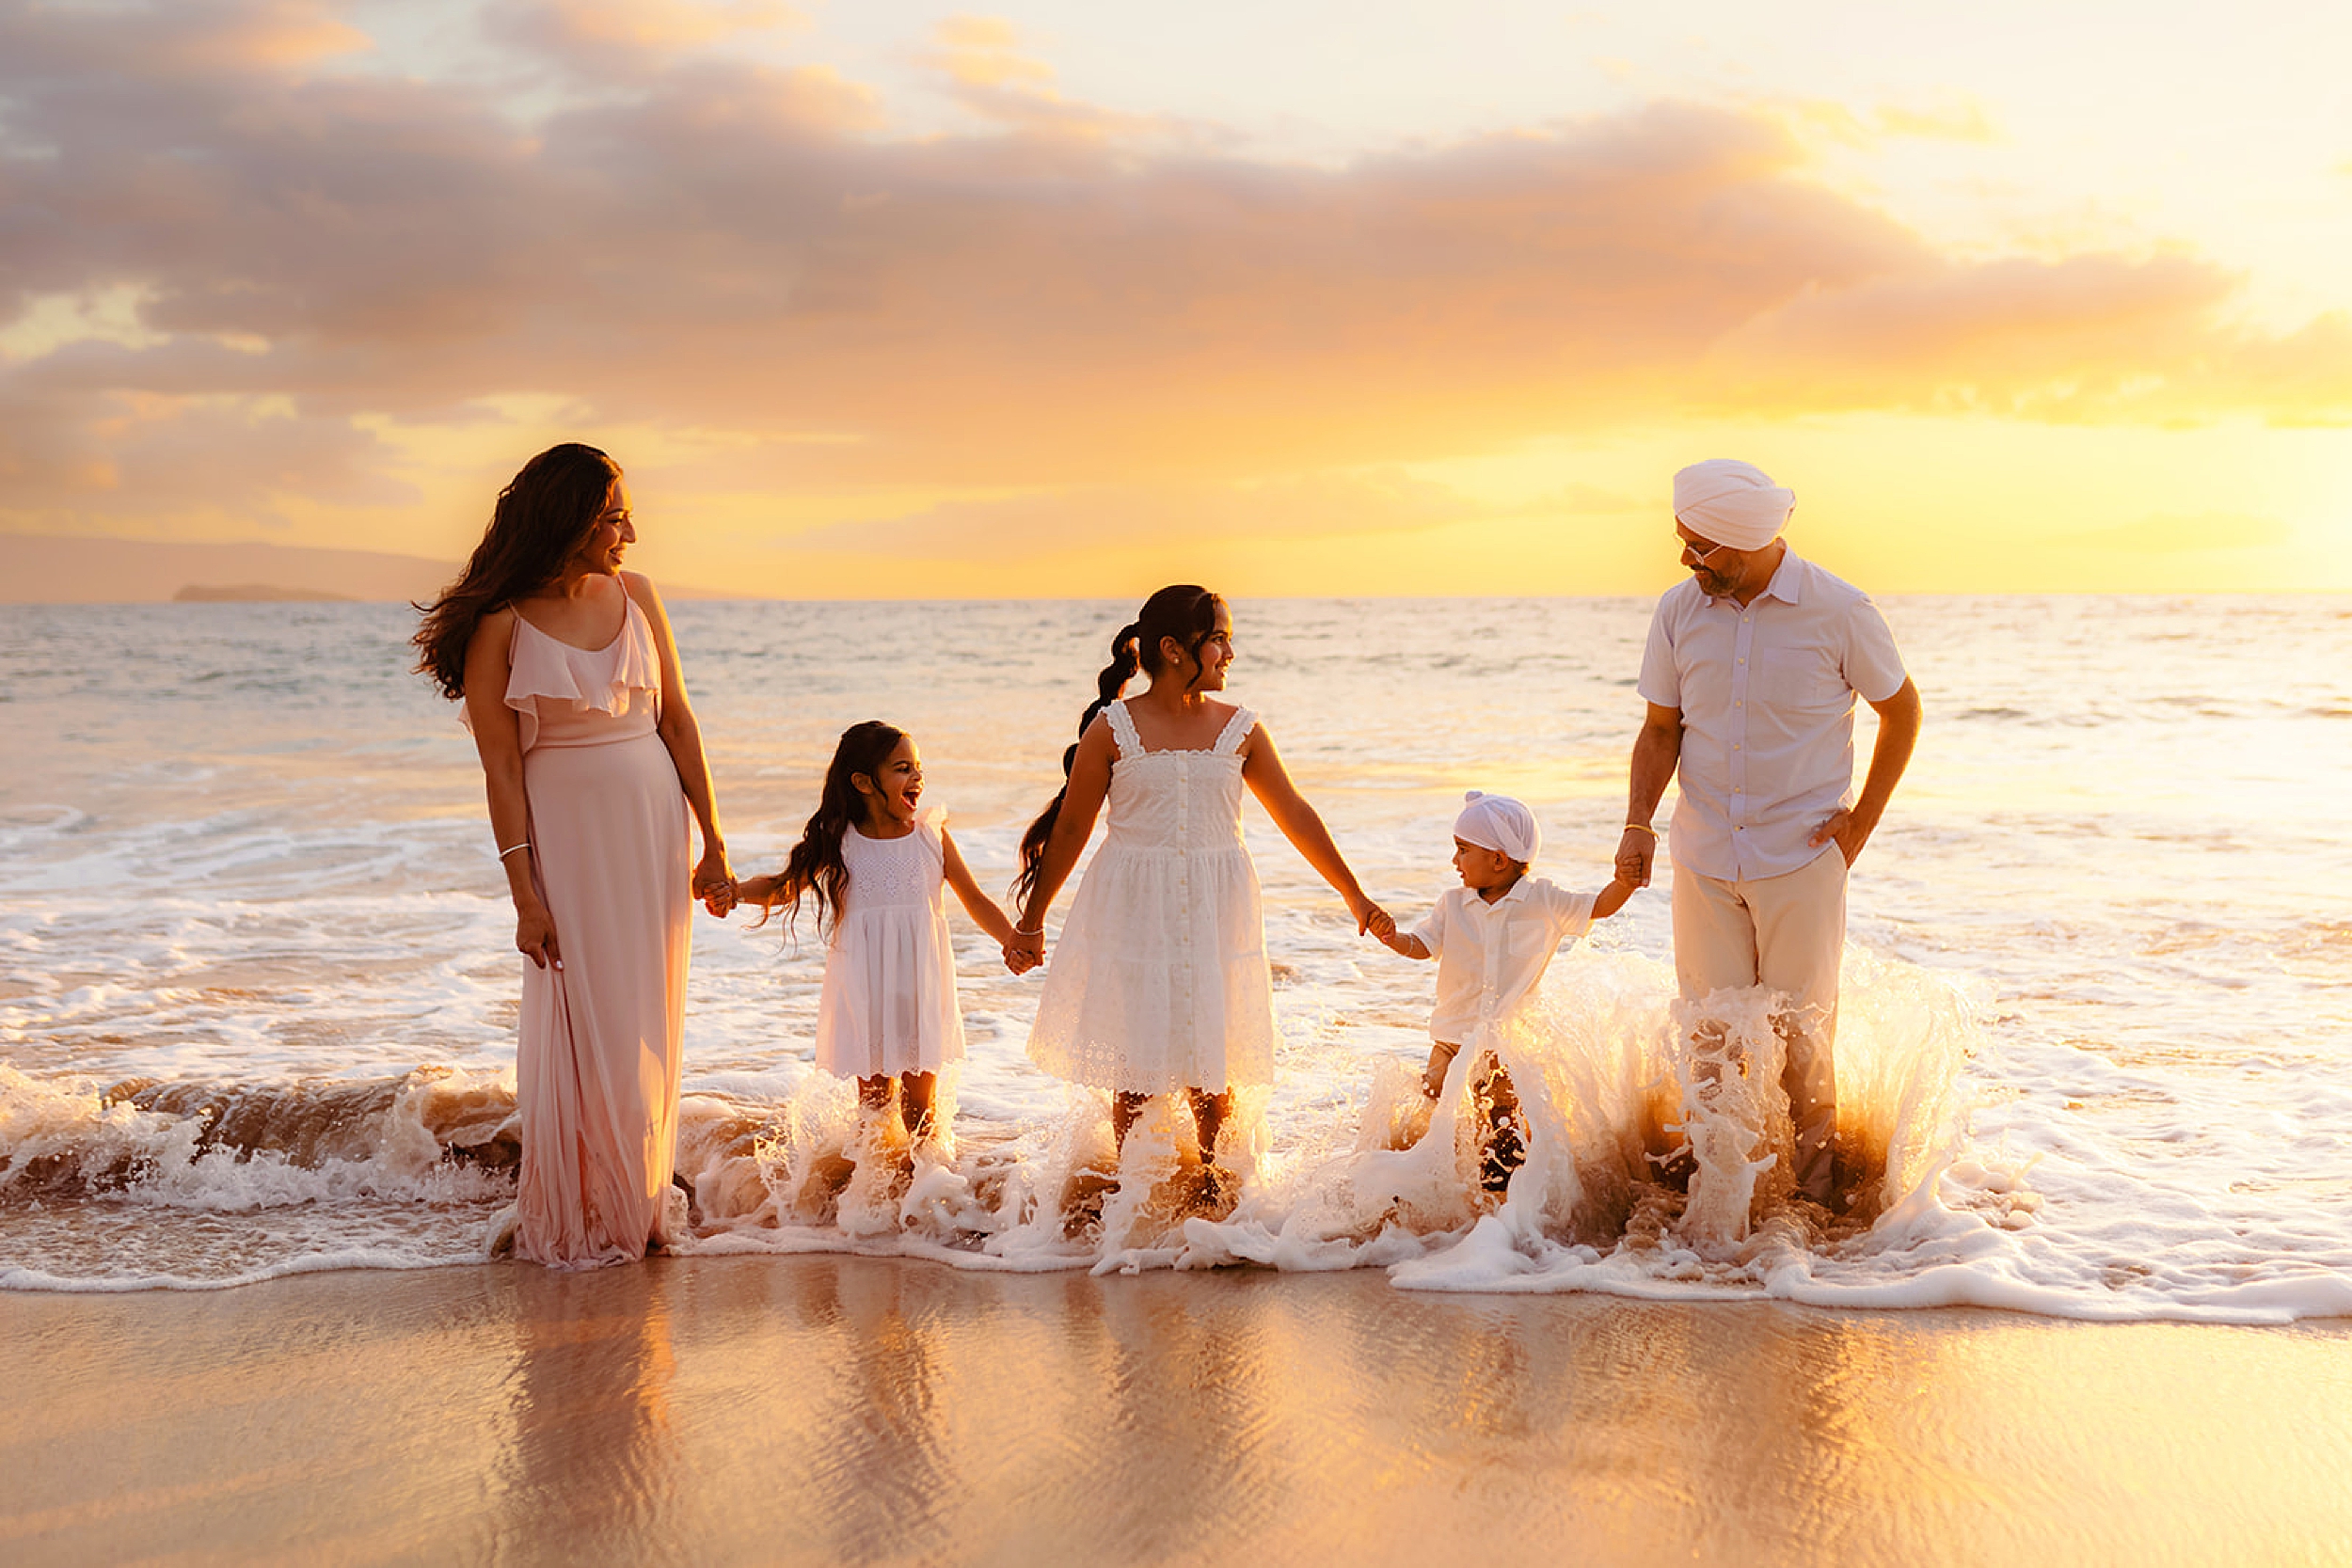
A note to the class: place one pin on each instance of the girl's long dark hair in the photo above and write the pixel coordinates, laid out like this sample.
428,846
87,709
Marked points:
815,869
1183,611
541,517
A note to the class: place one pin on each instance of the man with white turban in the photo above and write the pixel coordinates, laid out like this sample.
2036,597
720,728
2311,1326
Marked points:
1750,673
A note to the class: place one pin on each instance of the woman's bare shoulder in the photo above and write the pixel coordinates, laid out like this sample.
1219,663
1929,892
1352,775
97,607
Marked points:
497,624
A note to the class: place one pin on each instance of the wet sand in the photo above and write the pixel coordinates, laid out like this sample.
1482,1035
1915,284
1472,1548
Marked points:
856,1410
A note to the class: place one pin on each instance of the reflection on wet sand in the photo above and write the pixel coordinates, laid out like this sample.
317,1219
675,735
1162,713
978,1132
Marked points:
881,1464
592,1454
839,1409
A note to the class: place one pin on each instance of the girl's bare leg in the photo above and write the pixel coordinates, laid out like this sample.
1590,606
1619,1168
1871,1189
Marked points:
917,1092
1125,1107
1209,1112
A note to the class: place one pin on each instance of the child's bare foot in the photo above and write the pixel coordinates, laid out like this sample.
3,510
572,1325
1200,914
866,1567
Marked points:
1082,1199
820,1188
1216,1190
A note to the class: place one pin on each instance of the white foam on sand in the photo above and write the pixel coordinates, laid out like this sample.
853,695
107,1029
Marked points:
403,1173
258,992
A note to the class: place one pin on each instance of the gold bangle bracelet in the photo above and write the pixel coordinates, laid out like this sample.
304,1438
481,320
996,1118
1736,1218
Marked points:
1641,827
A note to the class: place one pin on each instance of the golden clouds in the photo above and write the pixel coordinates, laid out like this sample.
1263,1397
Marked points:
986,73
626,36
275,35
984,52
1063,321
1955,119
2016,336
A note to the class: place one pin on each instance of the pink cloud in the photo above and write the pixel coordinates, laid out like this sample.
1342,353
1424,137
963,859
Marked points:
1065,298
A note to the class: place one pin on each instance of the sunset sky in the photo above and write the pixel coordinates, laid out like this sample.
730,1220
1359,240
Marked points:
1062,297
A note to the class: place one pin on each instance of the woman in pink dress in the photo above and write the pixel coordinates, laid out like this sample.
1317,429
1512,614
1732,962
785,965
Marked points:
571,685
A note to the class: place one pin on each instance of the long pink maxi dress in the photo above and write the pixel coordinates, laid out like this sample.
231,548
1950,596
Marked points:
597,1066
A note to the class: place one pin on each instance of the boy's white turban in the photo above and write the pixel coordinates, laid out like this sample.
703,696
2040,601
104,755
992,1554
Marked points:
1729,502
1499,822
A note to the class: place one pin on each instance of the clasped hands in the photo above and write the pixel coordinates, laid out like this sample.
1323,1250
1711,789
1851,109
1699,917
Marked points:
714,883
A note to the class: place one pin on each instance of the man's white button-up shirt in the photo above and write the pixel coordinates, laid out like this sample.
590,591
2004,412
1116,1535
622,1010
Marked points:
1766,692
1490,956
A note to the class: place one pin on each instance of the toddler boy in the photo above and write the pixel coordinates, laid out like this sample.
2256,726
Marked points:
1492,937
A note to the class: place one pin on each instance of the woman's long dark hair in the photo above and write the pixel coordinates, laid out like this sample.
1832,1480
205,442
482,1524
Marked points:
1183,611
815,869
541,517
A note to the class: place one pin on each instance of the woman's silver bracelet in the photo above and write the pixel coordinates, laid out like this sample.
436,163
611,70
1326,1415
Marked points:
517,849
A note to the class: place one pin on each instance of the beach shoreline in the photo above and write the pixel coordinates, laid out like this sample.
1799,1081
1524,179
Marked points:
831,1408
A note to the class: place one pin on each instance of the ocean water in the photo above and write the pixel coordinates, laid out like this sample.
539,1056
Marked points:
257,986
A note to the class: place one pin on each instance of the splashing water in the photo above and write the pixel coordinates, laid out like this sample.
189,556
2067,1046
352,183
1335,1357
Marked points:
257,992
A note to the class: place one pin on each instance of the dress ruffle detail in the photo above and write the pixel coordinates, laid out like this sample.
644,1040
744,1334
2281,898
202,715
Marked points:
544,671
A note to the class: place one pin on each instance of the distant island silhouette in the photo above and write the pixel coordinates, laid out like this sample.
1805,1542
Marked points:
51,568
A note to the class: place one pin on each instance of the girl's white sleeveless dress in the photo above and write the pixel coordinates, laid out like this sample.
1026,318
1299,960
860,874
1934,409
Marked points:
888,1004
1159,980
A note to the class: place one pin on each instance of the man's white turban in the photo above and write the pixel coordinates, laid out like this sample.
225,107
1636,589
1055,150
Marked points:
1729,502
1499,822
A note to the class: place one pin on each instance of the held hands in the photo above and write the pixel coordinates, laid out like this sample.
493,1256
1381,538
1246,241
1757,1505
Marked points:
1637,851
714,883
1024,952
721,901
1373,918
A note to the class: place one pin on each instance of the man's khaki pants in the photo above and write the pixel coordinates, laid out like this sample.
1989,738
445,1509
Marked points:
1787,934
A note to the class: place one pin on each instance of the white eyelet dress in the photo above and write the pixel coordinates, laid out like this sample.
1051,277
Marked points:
1159,980
888,1004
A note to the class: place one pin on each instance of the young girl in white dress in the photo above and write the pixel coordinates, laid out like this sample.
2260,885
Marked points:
1160,982
876,863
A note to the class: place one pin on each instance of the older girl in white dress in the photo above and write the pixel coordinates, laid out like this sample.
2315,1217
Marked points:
1160,982
877,865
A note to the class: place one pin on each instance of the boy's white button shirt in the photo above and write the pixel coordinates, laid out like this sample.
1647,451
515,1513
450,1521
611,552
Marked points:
1490,956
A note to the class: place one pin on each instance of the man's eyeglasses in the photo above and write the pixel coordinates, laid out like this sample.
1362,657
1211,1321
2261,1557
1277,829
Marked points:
1695,556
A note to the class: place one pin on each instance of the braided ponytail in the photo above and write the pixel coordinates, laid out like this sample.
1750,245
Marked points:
1126,663
1183,612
